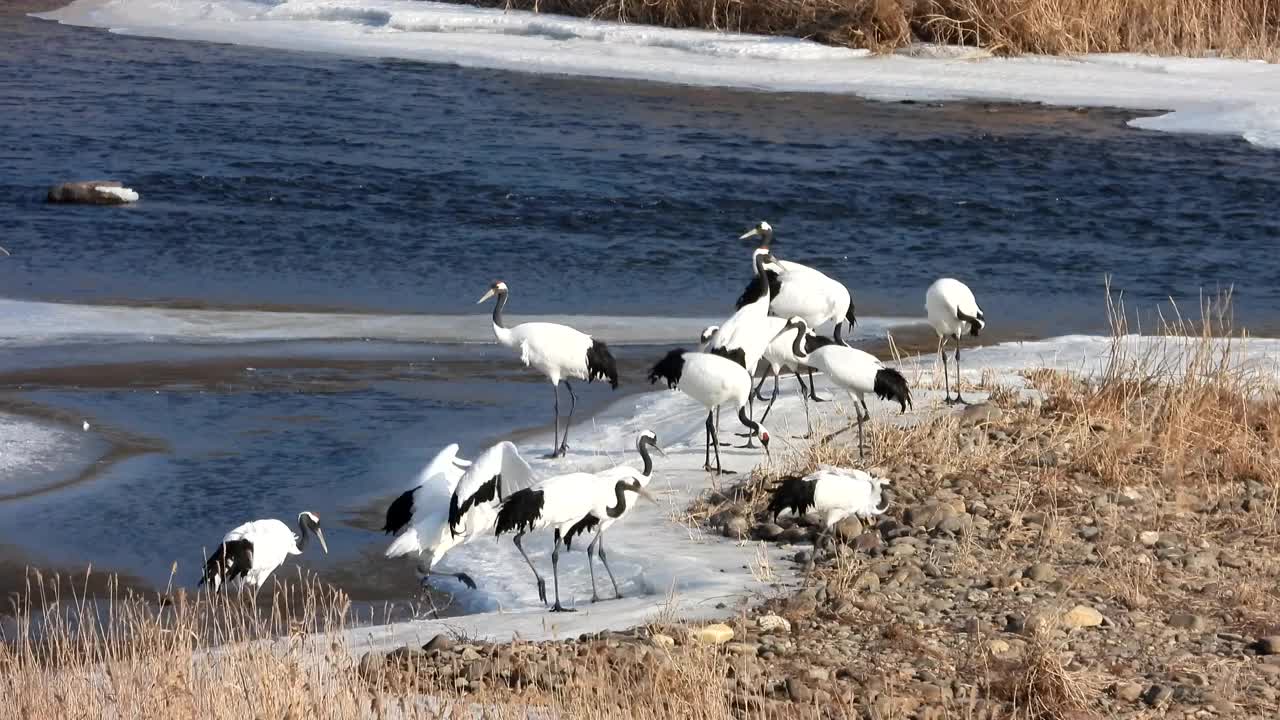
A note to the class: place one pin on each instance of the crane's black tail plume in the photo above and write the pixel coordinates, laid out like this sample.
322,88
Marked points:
520,511
400,513
232,560
890,385
669,368
600,364
794,493
586,524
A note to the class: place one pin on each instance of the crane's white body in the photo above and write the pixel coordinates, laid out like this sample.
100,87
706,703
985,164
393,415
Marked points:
502,465
809,294
714,380
557,351
779,353
945,300
273,541
841,492
568,498
428,528
850,368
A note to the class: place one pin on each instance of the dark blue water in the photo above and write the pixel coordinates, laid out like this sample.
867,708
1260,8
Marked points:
274,178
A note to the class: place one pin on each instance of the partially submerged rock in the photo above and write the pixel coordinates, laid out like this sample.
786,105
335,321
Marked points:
92,192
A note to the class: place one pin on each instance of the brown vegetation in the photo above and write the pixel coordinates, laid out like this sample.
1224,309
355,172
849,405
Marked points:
1177,27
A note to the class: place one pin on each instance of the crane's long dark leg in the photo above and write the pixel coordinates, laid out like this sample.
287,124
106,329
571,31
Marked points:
863,416
759,385
706,463
425,572
542,584
946,378
772,398
959,399
591,566
750,436
715,442
617,595
718,425
813,389
555,442
555,574
573,403
804,397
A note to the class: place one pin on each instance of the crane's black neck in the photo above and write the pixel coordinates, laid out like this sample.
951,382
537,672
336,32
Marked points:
797,347
302,533
619,489
648,461
497,309
746,420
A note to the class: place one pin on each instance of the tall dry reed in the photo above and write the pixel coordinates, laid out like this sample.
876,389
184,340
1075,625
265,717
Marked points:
1246,28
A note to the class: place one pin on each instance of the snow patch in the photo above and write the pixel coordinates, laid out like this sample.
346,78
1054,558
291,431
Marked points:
1194,95
125,194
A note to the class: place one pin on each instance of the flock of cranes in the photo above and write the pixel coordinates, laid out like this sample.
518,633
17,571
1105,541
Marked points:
773,327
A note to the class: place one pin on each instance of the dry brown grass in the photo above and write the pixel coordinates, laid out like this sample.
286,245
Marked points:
1249,28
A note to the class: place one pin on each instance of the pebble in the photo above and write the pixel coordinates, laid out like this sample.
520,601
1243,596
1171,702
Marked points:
1204,560
440,642
1040,572
768,531
848,529
868,542
736,527
1268,645
663,641
929,515
1128,692
1187,621
1082,616
1149,538
717,634
774,623
980,414
1156,695
867,582
798,691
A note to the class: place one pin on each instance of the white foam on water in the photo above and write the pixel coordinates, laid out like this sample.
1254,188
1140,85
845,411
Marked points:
1195,95
27,324
665,565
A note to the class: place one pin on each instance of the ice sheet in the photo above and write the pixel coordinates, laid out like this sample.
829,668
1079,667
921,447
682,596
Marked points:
26,323
1201,95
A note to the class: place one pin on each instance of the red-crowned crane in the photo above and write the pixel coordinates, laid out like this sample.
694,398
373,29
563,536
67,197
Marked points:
561,503
802,291
953,311
251,552
558,352
856,371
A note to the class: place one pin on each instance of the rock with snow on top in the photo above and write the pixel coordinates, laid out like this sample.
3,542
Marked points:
92,192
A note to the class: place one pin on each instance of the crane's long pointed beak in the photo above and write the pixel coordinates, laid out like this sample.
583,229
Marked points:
323,545
486,296
647,496
749,234
659,450
4,252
